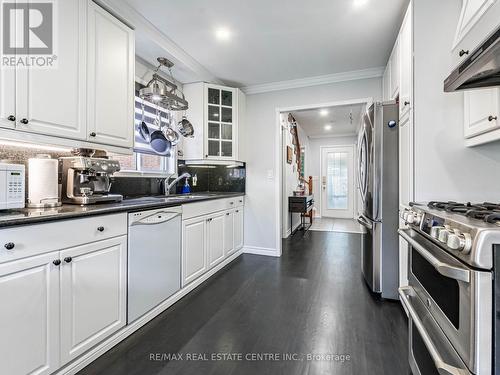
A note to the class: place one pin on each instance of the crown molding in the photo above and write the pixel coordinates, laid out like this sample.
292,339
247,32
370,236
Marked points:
315,81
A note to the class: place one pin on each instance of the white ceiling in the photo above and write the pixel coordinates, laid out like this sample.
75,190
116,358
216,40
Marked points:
338,117
277,40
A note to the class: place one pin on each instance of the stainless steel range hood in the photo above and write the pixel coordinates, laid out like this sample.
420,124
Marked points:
481,69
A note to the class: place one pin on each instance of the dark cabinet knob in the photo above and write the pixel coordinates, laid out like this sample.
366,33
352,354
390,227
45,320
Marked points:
24,121
406,103
100,229
237,210
57,262
68,259
93,134
491,118
231,202
9,245
227,213
463,52
11,118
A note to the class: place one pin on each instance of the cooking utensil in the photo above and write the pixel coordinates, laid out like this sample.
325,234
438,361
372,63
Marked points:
144,131
185,127
159,143
172,136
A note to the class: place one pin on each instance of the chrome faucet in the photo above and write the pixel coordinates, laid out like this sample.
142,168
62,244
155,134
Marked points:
168,186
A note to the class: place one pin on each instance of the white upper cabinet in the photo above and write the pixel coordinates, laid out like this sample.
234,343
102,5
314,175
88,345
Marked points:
481,116
110,79
52,101
406,65
214,113
394,66
7,94
29,317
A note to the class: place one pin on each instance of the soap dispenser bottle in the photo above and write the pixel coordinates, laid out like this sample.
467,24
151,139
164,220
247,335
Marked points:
186,189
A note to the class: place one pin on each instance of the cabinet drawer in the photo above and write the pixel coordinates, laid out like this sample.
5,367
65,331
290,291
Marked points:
29,240
205,208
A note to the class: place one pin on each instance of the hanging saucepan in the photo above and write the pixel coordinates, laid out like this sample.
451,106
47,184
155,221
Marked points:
159,143
185,127
143,128
172,136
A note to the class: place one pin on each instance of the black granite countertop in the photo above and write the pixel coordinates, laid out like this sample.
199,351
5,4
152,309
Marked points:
68,211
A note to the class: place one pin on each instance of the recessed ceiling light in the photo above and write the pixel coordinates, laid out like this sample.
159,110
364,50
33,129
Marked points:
223,34
359,3
323,112
327,127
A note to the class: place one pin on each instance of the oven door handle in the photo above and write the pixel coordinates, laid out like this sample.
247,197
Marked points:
405,294
444,269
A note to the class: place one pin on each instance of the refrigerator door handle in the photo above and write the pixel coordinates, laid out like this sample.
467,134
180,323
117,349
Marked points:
364,222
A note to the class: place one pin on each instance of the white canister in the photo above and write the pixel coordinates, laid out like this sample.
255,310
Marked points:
43,182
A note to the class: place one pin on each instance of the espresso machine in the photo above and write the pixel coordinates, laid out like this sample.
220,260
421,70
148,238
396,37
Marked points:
87,180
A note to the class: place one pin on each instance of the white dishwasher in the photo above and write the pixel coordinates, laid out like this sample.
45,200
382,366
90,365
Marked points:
154,258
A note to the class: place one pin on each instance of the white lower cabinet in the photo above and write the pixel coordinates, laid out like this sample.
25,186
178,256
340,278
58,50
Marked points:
194,262
93,294
238,228
229,233
29,316
215,241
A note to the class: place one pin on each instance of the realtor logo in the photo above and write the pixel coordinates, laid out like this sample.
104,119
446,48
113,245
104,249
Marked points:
28,34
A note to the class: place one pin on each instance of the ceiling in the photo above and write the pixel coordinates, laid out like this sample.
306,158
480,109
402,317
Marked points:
277,40
338,117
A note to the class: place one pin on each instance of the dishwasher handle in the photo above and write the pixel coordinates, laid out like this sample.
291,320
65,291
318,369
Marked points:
156,218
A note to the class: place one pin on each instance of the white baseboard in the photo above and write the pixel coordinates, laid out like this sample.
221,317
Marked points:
94,353
260,251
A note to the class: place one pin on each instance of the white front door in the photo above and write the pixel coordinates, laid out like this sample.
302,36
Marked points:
337,182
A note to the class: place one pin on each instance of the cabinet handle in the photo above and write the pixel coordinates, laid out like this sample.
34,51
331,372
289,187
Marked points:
406,103
11,118
10,245
491,118
237,210
227,213
241,201
93,134
68,259
24,121
463,52
231,202
57,262
100,229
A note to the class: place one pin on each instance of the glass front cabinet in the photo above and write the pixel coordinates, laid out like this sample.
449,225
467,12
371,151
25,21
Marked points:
214,113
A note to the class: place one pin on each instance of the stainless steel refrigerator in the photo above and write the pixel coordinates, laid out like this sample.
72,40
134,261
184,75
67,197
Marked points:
378,184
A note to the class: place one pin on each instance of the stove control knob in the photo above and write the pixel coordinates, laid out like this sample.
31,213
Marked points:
443,235
410,219
417,218
460,241
435,231
405,215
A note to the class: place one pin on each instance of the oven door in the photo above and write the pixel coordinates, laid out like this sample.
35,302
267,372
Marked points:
430,353
459,298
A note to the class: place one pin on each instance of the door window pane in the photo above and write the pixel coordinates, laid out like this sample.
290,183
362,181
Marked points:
337,181
213,148
227,114
213,113
227,148
213,130
213,96
227,98
227,131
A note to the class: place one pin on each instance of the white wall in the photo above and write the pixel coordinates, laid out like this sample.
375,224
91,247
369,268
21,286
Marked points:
314,158
260,143
291,175
444,168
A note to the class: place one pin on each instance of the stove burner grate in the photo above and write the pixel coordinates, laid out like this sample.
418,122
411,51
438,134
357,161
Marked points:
487,211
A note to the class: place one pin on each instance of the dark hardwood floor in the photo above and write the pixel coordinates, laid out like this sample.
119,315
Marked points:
312,300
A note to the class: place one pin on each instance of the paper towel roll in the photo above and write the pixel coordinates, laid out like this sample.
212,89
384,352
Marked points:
42,181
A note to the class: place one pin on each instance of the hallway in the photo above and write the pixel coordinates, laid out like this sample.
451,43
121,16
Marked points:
312,300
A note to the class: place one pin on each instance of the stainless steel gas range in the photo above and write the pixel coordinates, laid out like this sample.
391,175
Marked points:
453,296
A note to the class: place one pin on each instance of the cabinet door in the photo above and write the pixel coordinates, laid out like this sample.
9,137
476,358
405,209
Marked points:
110,79
7,93
481,111
220,128
93,294
405,58
386,81
194,262
52,100
405,163
238,229
29,316
403,258
395,67
229,233
216,239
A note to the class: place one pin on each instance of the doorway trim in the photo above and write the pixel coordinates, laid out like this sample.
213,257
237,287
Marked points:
278,157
